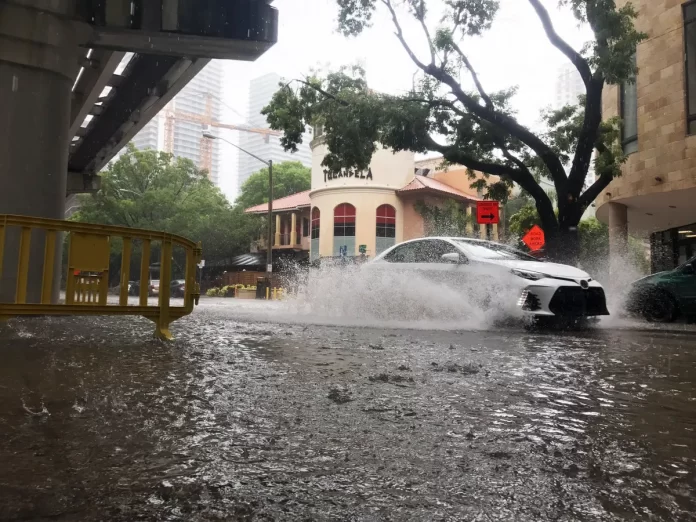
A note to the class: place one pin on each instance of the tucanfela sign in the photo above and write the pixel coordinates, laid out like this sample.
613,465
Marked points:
328,176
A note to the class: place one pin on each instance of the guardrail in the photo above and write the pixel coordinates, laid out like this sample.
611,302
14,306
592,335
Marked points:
87,271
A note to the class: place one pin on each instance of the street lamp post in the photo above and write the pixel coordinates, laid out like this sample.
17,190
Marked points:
269,163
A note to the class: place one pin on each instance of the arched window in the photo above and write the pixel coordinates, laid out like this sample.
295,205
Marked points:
386,228
314,242
344,229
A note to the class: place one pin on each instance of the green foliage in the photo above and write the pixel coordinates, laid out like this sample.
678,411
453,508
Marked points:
447,219
471,127
155,190
524,219
611,52
512,206
594,241
289,177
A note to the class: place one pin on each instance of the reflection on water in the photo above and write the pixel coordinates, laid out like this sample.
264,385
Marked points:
237,420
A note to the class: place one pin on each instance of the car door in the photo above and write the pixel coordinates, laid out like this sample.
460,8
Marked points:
683,286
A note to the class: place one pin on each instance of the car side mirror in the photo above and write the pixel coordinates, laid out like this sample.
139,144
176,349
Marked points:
453,257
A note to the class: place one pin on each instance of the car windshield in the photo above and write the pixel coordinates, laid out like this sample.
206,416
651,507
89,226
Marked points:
485,250
691,262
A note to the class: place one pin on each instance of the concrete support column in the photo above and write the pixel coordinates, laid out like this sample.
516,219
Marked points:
495,233
469,224
276,240
618,238
38,65
293,229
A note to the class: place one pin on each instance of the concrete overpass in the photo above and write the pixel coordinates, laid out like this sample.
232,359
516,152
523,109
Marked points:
65,112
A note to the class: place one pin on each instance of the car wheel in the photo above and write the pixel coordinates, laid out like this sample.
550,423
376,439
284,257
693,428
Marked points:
660,308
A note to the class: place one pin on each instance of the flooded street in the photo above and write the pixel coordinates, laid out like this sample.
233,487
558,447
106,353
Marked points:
248,416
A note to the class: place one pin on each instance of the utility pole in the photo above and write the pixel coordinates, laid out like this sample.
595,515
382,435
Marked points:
269,252
269,164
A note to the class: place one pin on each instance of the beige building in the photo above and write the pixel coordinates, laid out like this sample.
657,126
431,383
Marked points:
656,194
366,212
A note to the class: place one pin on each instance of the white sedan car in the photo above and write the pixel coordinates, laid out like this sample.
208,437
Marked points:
498,276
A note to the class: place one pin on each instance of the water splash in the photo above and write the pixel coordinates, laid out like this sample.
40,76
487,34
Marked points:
361,295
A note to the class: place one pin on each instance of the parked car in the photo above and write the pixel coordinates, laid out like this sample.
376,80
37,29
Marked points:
134,289
665,296
177,288
540,289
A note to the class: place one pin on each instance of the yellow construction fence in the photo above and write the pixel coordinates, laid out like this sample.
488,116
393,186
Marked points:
87,272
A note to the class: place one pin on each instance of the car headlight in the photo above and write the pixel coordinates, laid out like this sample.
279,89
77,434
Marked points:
528,274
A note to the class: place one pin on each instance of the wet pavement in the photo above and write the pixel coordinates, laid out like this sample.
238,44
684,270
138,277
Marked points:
243,417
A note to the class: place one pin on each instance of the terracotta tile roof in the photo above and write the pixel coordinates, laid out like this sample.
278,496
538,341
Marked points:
299,200
421,183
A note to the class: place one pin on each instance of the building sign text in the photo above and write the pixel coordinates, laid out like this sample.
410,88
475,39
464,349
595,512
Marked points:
348,174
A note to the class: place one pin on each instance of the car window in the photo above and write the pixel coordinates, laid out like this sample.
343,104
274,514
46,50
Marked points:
487,250
425,251
431,251
691,262
402,254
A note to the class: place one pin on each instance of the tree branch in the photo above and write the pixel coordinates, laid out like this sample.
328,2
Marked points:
319,90
577,60
436,103
421,18
514,159
509,125
474,76
587,137
400,36
595,190
521,176
598,186
600,183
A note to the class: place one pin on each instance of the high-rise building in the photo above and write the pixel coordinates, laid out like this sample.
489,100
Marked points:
568,86
200,99
261,90
178,128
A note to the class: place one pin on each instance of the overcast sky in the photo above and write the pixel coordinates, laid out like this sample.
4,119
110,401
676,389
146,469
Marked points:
514,52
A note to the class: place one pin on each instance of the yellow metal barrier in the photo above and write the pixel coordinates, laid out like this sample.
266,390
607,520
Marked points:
88,271
275,294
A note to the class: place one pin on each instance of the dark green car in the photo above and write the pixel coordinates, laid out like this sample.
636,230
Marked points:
665,296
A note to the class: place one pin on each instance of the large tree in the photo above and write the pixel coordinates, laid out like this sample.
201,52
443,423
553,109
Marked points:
289,177
473,126
155,190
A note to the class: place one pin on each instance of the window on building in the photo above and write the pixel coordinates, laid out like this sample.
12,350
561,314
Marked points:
305,227
344,229
386,228
690,63
314,242
629,115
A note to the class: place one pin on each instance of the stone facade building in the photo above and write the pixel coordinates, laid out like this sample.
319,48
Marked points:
656,195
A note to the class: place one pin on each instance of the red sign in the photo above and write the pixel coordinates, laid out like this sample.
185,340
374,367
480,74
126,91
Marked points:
487,213
534,238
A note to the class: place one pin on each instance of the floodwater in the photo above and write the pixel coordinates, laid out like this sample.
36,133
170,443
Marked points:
244,417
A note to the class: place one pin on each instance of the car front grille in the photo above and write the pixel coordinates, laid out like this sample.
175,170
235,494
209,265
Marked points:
573,300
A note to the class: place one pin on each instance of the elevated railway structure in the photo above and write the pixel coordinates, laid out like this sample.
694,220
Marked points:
67,105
